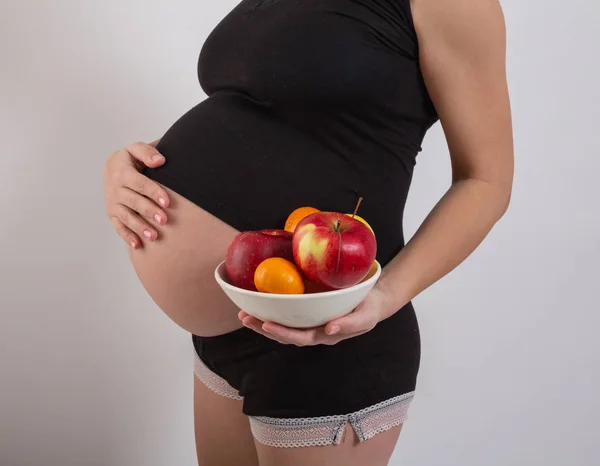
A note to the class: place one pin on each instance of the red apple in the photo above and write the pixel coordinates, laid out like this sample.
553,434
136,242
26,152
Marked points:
249,248
312,287
334,249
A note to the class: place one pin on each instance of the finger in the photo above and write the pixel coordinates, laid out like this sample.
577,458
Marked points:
252,323
128,236
335,339
135,223
146,154
141,205
360,320
242,315
146,187
298,337
256,325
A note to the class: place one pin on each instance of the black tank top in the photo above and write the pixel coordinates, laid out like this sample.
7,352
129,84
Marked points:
310,102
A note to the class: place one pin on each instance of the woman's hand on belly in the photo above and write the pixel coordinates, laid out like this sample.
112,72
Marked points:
363,319
130,197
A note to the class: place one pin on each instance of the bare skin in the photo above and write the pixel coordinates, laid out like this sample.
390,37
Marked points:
178,268
462,55
223,436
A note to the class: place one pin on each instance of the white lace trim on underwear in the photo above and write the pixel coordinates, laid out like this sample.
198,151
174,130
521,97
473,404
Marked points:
313,431
214,382
329,430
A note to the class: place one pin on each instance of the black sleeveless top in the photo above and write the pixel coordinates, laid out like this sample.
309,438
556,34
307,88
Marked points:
310,102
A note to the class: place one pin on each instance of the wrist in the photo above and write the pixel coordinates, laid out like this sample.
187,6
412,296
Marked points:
394,292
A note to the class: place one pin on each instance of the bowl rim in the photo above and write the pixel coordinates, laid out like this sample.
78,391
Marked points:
367,283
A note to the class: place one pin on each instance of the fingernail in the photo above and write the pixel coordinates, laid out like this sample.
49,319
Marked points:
162,201
335,329
158,218
133,244
157,158
148,234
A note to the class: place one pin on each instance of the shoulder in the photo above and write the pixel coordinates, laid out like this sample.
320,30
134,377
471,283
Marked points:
462,53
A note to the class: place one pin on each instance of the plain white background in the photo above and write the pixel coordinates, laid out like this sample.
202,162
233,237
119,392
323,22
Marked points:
92,373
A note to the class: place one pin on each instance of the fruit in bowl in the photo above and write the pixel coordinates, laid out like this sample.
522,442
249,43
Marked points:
360,219
334,249
320,267
279,276
249,248
297,216
306,310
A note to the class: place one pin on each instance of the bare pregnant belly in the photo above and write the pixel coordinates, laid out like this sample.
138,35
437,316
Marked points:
239,165
177,270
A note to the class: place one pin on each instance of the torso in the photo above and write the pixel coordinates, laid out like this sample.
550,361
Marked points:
310,102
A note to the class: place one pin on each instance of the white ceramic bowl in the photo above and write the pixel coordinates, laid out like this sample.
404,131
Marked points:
297,310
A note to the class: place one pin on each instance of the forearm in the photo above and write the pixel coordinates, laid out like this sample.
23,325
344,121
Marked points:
450,233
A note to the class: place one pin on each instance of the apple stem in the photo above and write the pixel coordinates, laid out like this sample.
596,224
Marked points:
337,227
360,199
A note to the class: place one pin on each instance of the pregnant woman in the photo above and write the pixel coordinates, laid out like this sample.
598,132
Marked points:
317,103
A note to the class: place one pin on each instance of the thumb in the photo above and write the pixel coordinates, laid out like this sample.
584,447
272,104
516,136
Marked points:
360,320
146,154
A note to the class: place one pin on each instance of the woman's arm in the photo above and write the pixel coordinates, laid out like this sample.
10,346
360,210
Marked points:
462,55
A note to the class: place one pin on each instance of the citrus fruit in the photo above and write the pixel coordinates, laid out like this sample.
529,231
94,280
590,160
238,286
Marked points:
279,276
297,216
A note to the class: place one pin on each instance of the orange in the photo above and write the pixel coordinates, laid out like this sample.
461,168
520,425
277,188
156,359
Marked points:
297,216
279,276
